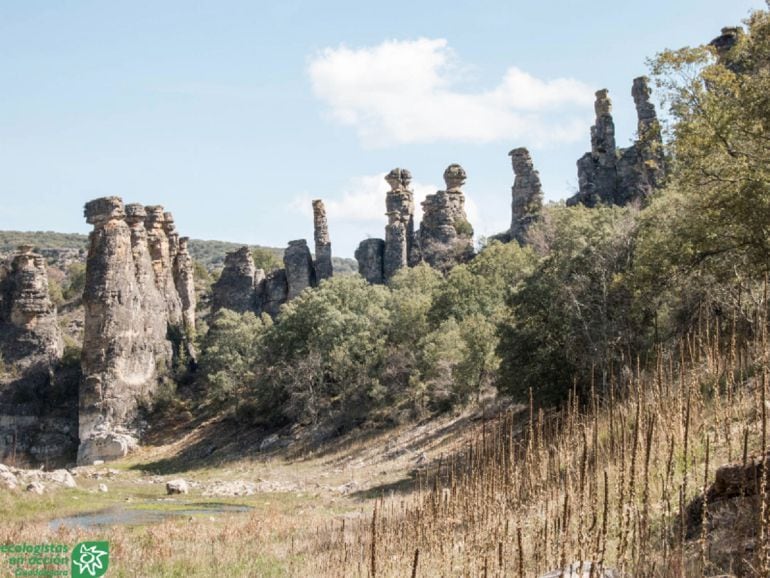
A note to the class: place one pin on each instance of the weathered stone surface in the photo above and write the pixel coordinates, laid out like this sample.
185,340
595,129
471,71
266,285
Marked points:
131,304
401,246
159,225
30,337
178,486
446,236
300,273
527,195
104,445
370,256
235,288
608,175
273,291
184,280
323,246
732,503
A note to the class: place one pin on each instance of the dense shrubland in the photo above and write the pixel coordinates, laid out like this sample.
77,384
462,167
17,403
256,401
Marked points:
596,291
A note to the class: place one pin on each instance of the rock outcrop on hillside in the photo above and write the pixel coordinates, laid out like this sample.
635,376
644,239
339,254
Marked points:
370,254
446,236
132,306
30,337
616,176
298,264
235,288
733,503
242,287
526,193
401,248
38,420
323,246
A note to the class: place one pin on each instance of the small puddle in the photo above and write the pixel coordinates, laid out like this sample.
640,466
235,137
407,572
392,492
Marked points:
138,516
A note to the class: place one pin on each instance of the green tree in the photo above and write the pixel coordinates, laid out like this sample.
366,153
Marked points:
266,259
578,312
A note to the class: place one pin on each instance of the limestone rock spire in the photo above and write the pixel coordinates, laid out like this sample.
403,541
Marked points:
323,246
526,193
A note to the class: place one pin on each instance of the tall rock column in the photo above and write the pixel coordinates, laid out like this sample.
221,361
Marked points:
122,345
400,241
323,246
184,280
30,336
527,195
235,288
446,236
300,273
162,253
649,142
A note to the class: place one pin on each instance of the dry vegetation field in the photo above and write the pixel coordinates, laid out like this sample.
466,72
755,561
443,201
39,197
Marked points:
518,494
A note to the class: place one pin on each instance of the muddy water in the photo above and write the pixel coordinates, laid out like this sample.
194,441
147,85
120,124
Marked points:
138,516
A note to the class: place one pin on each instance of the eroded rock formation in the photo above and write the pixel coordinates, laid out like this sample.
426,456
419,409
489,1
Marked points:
400,240
132,306
527,195
446,236
732,503
298,263
370,254
38,413
184,280
612,176
235,288
323,246
30,337
273,292
162,241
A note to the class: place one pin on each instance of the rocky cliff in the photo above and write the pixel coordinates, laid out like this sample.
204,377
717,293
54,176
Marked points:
323,246
446,236
132,306
615,176
526,193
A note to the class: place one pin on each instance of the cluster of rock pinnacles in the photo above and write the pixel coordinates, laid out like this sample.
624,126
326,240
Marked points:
140,300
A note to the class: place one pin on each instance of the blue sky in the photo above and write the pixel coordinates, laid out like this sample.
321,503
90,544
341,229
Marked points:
234,115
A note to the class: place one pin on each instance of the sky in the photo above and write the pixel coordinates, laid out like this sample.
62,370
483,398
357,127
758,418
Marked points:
234,115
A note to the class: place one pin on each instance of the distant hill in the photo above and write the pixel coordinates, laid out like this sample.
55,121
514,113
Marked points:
211,254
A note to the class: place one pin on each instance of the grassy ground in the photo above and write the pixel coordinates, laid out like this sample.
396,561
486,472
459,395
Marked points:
301,492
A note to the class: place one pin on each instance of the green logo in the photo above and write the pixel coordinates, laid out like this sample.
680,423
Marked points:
90,559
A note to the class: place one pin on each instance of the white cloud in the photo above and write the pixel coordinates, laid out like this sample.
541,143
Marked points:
403,92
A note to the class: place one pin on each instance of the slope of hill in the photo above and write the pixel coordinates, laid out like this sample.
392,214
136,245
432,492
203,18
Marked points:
210,254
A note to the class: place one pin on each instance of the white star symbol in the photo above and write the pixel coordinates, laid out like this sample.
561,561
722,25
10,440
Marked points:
90,559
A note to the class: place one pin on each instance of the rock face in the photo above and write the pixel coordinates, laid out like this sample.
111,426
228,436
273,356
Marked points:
163,241
184,281
323,246
30,337
300,273
273,292
401,247
611,176
527,195
131,306
733,502
370,255
446,236
235,288
38,413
